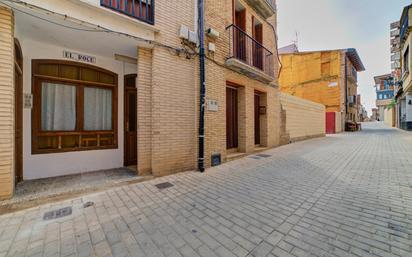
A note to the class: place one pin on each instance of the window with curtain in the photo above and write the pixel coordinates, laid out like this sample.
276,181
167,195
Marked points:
73,107
97,109
58,107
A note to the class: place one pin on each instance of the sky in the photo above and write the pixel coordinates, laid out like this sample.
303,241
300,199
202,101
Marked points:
335,24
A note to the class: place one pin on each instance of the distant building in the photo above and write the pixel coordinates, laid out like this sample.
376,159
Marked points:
404,92
293,48
395,50
375,114
363,114
385,90
328,77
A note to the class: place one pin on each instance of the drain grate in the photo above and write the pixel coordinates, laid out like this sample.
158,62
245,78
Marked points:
398,228
88,204
263,155
164,185
55,214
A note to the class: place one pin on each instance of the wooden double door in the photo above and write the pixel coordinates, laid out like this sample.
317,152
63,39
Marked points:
130,120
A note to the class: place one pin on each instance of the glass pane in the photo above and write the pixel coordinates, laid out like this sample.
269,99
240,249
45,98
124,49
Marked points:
70,72
97,108
70,141
90,75
49,70
47,142
58,107
89,140
105,78
106,140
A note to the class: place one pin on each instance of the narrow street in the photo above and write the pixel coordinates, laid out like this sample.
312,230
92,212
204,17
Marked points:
348,194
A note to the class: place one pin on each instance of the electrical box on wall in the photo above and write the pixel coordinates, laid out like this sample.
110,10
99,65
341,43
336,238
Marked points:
192,37
184,32
212,47
212,33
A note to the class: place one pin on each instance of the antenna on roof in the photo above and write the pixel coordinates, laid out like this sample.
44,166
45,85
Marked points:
296,41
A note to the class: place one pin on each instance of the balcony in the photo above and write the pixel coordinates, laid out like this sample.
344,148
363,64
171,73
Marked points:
248,56
353,75
142,10
404,26
266,8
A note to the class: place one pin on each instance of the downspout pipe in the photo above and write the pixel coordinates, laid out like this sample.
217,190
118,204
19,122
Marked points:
201,32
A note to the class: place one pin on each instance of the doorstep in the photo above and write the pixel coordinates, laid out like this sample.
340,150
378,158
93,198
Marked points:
259,149
31,193
235,155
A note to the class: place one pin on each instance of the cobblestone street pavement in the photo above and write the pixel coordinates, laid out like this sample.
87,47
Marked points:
342,195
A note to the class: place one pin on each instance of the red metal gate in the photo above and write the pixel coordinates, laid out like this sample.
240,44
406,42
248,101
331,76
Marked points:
330,123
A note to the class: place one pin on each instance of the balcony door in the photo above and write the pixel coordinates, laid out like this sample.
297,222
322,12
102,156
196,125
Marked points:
257,49
240,34
130,120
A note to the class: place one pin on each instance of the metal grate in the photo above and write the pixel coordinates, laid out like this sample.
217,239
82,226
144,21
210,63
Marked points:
164,185
55,214
88,204
263,155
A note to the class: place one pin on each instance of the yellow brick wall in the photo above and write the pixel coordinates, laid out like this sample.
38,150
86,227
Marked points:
6,103
304,119
311,76
167,91
218,15
144,111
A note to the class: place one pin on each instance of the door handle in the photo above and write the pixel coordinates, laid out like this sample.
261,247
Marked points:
127,126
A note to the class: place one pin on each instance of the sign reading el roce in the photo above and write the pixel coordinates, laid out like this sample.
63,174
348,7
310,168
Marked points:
79,57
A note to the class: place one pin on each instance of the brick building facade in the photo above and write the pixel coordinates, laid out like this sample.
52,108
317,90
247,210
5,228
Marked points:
327,77
126,79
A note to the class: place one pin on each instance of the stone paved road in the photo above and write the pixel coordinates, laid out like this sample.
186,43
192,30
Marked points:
343,195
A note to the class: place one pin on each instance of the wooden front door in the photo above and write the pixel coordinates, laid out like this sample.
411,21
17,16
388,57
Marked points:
130,120
18,113
231,118
257,119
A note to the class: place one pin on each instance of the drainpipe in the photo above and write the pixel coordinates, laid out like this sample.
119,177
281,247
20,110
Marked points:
201,31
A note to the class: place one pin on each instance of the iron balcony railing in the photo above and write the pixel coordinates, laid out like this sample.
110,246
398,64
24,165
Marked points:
354,74
246,49
140,9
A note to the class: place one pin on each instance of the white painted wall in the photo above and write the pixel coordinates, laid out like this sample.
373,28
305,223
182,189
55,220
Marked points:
90,11
57,164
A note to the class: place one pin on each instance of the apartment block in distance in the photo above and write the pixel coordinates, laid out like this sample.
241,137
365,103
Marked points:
385,89
404,90
328,77
90,85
